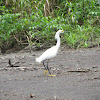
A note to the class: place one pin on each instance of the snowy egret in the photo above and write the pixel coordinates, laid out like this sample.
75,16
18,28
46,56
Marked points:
50,53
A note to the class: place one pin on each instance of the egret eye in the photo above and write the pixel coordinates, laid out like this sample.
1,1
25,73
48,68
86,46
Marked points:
62,31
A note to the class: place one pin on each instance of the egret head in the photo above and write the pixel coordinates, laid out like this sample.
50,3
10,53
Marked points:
58,33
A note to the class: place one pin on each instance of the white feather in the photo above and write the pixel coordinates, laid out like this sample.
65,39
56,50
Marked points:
51,52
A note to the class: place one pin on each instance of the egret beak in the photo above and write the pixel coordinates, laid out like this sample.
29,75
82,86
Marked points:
66,31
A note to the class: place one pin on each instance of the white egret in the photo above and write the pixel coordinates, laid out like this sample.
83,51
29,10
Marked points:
50,53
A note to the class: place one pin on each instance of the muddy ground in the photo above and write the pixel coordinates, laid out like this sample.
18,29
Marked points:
78,76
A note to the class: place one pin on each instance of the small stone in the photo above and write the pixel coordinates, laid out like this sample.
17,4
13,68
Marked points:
32,96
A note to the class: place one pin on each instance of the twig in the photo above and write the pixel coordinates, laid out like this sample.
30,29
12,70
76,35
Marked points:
20,68
12,65
79,70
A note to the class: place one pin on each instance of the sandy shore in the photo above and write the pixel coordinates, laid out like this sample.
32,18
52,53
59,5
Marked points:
78,76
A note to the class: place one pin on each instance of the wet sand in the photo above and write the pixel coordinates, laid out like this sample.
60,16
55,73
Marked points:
78,76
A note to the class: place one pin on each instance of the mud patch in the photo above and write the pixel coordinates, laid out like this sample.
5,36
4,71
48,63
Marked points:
78,76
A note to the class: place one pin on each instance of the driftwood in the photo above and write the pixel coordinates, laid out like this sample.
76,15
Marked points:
79,70
12,65
19,68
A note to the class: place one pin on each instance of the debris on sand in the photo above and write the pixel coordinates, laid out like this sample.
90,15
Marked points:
97,77
18,68
32,95
12,65
79,70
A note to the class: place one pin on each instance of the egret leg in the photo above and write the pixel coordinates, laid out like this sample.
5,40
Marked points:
49,70
45,72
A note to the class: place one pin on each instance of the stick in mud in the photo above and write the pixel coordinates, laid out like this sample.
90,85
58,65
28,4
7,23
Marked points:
12,65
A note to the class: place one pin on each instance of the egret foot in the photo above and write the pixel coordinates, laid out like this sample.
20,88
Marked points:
45,72
52,75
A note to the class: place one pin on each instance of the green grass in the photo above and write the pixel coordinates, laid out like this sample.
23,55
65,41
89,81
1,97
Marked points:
25,24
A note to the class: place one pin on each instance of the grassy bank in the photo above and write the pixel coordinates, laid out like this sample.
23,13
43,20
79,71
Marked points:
29,22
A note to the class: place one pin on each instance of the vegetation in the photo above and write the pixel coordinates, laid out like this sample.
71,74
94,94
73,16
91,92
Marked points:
34,22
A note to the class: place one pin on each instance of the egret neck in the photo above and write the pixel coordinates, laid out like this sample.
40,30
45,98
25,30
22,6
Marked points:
58,40
58,43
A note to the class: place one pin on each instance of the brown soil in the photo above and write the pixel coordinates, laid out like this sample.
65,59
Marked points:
78,76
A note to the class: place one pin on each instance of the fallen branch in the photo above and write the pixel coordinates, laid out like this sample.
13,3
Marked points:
79,70
20,68
12,65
